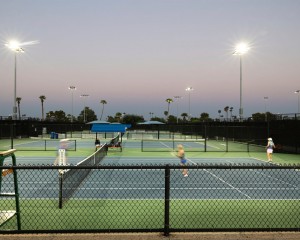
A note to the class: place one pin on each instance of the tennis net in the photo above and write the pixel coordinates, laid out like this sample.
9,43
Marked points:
71,179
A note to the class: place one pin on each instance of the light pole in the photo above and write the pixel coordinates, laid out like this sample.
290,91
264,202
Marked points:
189,89
16,48
266,99
84,114
298,92
151,115
72,88
177,100
240,50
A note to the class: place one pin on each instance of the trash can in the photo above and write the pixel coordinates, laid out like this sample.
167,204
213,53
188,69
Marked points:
52,135
56,135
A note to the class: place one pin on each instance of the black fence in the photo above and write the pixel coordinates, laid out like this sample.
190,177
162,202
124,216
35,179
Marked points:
156,199
285,131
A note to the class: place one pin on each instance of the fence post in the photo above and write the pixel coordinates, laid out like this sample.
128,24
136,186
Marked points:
167,201
142,145
205,141
227,142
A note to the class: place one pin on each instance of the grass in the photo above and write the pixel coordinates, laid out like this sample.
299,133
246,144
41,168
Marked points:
149,214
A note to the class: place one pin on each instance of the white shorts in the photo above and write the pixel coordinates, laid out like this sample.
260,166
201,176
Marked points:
269,150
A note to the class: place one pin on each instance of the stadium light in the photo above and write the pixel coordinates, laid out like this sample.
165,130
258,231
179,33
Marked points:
189,89
240,50
177,100
84,114
16,47
72,88
298,92
266,99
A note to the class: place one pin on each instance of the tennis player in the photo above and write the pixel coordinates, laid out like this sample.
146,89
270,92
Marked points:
63,144
183,160
270,146
97,144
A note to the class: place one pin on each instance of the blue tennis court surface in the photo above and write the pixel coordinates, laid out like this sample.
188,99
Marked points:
174,160
149,183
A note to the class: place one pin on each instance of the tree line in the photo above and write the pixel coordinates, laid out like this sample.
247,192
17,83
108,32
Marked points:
88,115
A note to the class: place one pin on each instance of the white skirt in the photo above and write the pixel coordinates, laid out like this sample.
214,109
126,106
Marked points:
269,150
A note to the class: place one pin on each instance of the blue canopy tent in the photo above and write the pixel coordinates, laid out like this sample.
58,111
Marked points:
109,128
106,127
154,123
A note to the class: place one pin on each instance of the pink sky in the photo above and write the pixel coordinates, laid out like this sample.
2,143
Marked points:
135,54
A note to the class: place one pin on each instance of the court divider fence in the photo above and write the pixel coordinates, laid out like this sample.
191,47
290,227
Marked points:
157,199
38,144
205,145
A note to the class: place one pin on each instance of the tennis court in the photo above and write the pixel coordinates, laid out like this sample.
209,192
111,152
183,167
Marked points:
255,195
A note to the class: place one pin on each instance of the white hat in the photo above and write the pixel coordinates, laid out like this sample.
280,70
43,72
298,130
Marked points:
64,140
270,139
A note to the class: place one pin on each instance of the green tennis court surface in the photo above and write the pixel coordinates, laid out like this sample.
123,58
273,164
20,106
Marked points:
134,198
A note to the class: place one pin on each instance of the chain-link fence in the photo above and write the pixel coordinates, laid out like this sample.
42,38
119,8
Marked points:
153,199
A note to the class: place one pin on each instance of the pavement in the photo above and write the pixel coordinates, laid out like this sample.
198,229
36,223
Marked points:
158,236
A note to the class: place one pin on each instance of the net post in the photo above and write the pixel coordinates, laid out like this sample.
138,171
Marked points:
173,144
18,211
61,162
167,201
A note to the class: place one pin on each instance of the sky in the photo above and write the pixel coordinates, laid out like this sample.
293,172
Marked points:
137,53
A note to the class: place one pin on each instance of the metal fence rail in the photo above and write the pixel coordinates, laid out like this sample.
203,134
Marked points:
158,199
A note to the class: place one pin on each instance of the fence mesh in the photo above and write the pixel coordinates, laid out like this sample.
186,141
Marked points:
157,198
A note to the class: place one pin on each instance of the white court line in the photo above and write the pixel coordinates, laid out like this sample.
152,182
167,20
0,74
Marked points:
222,180
231,186
295,186
269,176
165,145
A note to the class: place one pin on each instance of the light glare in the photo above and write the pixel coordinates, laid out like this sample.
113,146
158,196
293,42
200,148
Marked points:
13,45
241,49
17,46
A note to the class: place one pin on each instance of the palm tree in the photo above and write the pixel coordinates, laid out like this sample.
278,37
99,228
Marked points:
42,98
226,110
230,110
166,113
169,101
18,100
219,111
184,116
118,116
103,102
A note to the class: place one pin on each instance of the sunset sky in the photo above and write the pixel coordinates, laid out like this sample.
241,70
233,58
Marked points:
137,53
